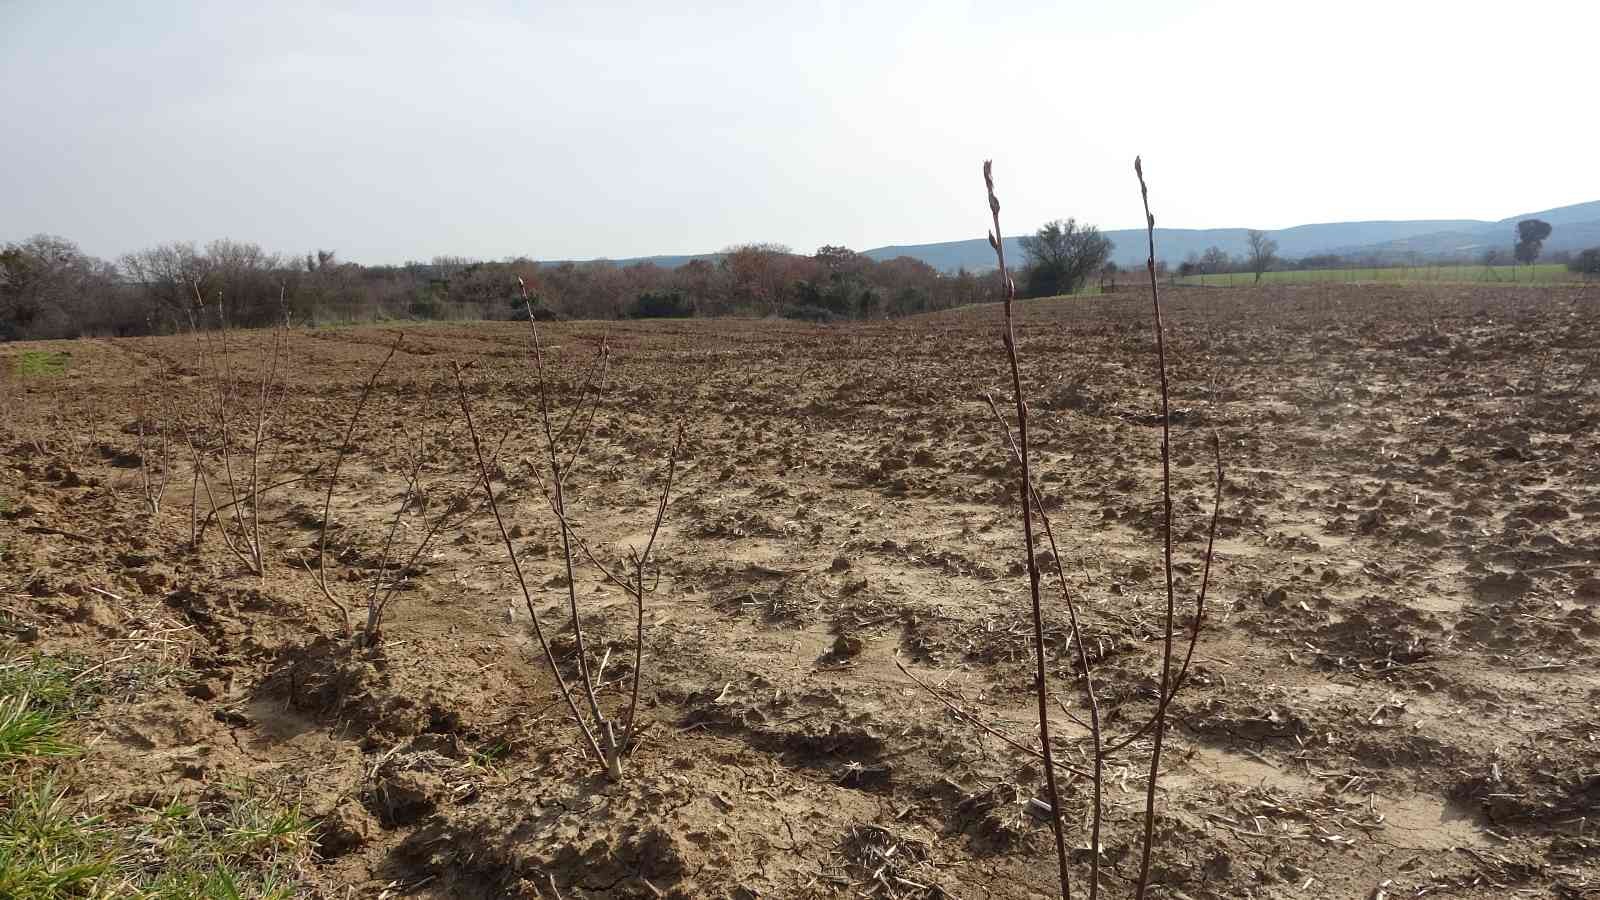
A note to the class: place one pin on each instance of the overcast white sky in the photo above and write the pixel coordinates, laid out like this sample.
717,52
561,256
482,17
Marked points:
395,130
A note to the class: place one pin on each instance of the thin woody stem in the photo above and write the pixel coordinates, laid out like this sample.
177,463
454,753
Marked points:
1009,291
640,560
1098,815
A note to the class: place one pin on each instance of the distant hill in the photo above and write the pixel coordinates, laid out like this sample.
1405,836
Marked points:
1173,244
1576,227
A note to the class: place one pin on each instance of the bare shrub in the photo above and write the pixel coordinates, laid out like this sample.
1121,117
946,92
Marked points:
562,449
392,563
155,459
222,410
1032,510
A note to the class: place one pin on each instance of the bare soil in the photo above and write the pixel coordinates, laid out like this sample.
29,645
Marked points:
1395,692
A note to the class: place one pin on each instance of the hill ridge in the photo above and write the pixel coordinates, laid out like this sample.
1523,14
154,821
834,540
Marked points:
1577,226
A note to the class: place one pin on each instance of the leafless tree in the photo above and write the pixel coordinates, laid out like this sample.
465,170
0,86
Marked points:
51,289
1215,260
247,481
170,275
1263,252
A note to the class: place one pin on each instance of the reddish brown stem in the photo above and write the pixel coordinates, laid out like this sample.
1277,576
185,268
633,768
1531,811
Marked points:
640,560
635,587
1009,291
979,724
557,477
1199,613
1160,726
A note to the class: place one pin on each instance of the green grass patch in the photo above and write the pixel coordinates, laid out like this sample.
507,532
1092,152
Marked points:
61,686
489,758
29,732
47,850
39,696
39,363
234,846
235,843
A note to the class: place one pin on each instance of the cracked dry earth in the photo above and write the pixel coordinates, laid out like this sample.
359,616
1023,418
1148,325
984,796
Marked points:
1394,695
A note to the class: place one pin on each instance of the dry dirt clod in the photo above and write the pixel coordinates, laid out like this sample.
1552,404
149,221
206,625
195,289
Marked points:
847,646
345,829
98,613
405,797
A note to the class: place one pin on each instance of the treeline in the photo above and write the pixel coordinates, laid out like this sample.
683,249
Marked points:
1216,261
49,288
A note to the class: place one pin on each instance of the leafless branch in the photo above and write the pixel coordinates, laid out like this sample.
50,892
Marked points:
1025,490
516,567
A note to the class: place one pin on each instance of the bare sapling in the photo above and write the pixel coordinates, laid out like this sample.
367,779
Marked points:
1075,633
155,461
1169,683
340,453
608,740
202,474
264,402
194,490
1174,673
244,483
388,578
426,507
631,577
